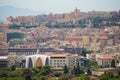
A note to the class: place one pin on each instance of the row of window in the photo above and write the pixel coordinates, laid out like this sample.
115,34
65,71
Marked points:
58,66
24,53
58,63
57,60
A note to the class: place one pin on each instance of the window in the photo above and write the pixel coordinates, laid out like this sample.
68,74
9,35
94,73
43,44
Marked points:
63,60
54,60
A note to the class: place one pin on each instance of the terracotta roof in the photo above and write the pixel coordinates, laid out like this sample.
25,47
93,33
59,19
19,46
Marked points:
103,37
73,37
101,33
117,40
105,57
93,55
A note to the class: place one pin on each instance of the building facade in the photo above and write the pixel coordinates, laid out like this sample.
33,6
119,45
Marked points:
55,60
37,60
104,60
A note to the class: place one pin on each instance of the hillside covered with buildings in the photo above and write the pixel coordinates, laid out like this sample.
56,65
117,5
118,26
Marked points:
89,40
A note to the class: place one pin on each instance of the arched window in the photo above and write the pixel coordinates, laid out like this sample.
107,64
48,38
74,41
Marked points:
38,62
47,61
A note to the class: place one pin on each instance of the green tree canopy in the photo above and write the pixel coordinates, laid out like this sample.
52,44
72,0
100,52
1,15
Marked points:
27,74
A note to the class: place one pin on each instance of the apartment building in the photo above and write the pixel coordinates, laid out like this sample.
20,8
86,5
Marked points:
58,61
104,60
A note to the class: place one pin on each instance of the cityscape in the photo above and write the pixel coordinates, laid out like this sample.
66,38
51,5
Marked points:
70,45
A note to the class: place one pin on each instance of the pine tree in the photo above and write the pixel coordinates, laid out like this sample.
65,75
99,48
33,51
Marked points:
84,52
74,70
66,69
113,64
77,70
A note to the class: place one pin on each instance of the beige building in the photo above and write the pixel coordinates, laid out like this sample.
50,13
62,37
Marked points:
58,61
104,60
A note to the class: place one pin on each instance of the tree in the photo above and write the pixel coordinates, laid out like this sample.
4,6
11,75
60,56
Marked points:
78,69
13,67
63,78
84,51
73,71
89,52
57,74
47,68
106,76
13,35
44,70
66,69
27,74
84,77
15,73
93,64
43,78
3,74
88,71
43,73
14,42
113,64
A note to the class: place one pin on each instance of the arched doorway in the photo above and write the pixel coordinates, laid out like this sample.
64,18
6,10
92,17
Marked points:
38,62
30,64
